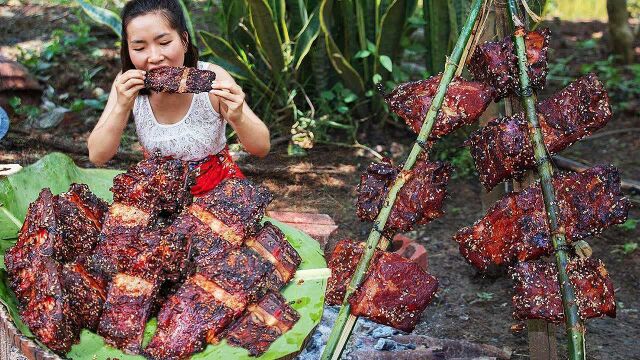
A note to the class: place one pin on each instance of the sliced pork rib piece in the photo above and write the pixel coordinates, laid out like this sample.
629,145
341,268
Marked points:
233,209
395,292
418,201
463,103
502,149
515,228
272,245
262,324
343,262
496,63
179,80
86,294
199,307
537,294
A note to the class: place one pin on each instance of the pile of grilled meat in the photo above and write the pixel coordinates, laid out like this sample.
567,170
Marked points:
205,266
514,232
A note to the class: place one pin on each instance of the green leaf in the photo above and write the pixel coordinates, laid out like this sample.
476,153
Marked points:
9,301
362,54
103,16
386,62
390,34
264,22
306,38
376,78
349,75
187,18
57,171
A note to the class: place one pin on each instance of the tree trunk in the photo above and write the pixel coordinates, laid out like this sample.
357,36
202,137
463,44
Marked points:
621,35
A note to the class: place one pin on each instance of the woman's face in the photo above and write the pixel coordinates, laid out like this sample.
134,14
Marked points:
153,43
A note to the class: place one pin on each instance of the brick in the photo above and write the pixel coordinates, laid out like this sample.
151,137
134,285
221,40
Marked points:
301,218
410,249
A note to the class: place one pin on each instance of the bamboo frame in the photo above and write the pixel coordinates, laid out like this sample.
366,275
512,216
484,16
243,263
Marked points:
338,334
575,328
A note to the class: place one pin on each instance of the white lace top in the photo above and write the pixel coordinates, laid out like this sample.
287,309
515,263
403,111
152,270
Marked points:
200,133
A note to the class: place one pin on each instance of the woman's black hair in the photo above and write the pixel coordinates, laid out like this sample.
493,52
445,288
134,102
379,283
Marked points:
172,12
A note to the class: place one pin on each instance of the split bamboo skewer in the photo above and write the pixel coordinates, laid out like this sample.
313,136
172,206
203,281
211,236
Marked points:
340,334
575,328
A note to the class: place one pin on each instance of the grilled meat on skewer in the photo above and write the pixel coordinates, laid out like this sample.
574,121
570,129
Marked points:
262,324
418,201
232,209
515,228
179,80
394,292
537,294
272,245
496,63
463,103
502,149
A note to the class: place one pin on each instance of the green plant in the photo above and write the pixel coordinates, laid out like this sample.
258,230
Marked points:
626,248
482,297
29,111
630,224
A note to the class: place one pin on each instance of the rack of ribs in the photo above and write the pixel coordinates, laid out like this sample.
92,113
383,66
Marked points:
495,63
463,103
179,80
271,244
208,302
537,294
233,209
53,232
502,149
515,228
418,201
262,324
395,290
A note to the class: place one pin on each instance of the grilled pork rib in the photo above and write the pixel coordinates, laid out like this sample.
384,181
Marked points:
537,294
262,324
463,103
502,149
495,63
515,228
418,201
179,80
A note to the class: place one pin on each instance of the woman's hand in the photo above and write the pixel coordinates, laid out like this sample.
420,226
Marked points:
231,99
128,85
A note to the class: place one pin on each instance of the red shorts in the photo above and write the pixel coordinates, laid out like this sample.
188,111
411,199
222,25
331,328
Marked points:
211,170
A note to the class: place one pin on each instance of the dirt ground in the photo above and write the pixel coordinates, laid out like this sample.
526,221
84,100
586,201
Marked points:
469,305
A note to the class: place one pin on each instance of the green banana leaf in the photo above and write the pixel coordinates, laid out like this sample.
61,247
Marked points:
57,171
265,24
349,75
103,16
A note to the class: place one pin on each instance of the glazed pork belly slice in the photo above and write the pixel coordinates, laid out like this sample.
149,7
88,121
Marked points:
262,324
537,294
179,80
343,262
515,228
496,63
463,103
199,308
419,201
395,292
86,294
233,209
272,245
43,304
502,150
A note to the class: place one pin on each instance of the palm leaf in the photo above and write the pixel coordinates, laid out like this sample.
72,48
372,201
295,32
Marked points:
306,38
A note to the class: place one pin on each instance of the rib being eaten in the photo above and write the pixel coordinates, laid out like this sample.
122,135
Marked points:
515,228
537,294
418,201
495,63
502,150
463,103
179,80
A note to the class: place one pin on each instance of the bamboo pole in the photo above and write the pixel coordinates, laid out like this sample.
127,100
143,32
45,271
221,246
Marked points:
381,220
575,328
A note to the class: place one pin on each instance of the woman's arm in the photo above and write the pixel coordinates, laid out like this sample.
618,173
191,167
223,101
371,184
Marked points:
252,132
104,140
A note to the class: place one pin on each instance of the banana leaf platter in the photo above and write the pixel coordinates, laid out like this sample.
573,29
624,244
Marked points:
57,171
